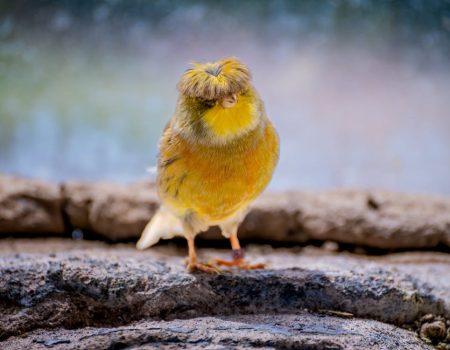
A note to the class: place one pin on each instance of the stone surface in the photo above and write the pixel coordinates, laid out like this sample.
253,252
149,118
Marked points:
369,218
302,331
53,291
29,206
61,283
119,212
434,331
116,212
360,217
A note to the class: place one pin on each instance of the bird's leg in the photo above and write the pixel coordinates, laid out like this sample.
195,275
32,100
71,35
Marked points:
238,257
192,263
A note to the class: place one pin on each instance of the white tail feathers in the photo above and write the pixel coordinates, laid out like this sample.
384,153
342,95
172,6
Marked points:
163,225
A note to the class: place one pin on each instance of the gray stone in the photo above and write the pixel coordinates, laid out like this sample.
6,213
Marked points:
58,283
302,331
29,206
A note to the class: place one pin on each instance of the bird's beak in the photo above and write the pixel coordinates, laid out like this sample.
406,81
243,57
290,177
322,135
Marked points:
229,101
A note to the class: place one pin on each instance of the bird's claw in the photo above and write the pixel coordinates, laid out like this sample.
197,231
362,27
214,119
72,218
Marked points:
238,263
196,266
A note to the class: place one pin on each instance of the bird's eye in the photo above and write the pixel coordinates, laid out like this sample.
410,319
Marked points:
208,103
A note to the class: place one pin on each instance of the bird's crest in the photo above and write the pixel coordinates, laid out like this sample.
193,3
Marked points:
214,80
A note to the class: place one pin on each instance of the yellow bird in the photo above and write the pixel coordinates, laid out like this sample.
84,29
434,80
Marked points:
217,154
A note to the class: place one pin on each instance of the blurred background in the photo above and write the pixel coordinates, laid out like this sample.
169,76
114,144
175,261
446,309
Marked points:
358,89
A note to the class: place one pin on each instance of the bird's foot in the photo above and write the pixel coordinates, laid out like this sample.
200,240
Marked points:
204,267
239,263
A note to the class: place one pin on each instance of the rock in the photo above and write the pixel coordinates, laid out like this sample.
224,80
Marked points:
366,218
330,246
434,331
29,206
360,217
427,318
302,331
117,212
61,283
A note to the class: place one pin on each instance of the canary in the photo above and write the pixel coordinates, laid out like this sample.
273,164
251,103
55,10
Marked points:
216,155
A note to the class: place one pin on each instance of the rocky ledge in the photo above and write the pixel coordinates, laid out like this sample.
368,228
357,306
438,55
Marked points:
369,218
302,331
54,291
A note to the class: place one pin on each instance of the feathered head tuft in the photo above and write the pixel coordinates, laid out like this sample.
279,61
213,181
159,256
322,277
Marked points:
215,80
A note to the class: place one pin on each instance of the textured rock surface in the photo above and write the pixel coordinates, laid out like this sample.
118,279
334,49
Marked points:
119,212
371,218
303,331
29,206
361,217
53,291
114,211
60,283
434,331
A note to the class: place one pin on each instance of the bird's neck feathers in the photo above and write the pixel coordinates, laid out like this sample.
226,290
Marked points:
228,123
